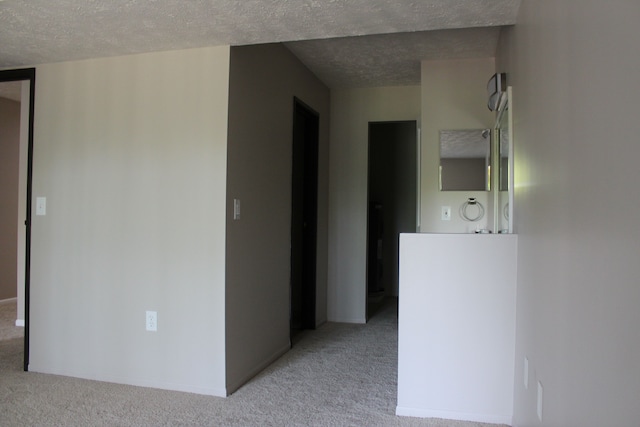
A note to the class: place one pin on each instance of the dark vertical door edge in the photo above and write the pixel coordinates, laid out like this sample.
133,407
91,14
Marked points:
304,207
12,76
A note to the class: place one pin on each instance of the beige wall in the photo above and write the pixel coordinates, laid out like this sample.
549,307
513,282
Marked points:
454,96
9,162
574,67
351,112
263,82
131,155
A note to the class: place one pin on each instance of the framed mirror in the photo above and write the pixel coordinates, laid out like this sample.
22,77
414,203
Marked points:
465,160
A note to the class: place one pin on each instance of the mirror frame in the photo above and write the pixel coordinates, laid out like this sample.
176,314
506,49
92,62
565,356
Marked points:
507,109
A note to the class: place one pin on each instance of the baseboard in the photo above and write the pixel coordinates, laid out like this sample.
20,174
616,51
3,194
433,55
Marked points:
136,382
449,415
19,322
348,320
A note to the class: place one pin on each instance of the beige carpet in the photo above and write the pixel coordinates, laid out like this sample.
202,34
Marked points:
338,375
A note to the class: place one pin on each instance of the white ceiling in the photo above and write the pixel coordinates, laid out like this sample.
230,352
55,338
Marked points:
319,32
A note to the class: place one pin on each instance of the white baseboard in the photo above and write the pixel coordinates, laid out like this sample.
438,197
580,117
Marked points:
19,322
162,385
348,320
449,415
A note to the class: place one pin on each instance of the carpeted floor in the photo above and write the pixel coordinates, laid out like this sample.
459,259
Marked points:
337,375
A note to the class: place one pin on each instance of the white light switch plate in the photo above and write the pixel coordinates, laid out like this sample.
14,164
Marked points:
41,205
446,213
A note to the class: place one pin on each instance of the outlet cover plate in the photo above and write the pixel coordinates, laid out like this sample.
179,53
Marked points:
539,400
152,321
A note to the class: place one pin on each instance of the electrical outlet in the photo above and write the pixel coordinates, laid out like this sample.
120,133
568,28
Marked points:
526,373
446,213
539,400
152,321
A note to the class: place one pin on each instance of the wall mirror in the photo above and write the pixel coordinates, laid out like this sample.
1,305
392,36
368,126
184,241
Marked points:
465,160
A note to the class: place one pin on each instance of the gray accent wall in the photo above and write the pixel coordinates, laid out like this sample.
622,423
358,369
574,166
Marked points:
130,153
9,167
573,66
263,82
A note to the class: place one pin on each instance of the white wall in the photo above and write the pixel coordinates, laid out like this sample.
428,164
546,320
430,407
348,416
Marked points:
573,66
351,112
454,96
456,334
131,155
258,254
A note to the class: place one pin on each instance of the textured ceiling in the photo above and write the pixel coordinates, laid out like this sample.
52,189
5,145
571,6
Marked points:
390,59
466,144
42,31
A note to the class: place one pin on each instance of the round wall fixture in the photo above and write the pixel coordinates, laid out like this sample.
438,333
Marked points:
471,210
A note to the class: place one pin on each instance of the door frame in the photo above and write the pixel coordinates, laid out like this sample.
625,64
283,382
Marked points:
26,74
417,165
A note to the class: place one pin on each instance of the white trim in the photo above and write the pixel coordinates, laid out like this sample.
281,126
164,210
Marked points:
359,320
138,382
450,415
19,322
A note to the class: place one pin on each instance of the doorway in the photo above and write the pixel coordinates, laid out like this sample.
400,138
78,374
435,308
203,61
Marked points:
27,93
304,208
392,183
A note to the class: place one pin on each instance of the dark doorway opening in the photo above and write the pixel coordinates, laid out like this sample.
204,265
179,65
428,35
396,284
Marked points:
304,208
392,183
26,74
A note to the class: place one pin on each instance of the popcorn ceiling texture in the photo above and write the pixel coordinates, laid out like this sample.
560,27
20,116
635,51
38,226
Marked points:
390,59
42,31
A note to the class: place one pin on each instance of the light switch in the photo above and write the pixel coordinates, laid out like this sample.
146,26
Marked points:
41,205
446,213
